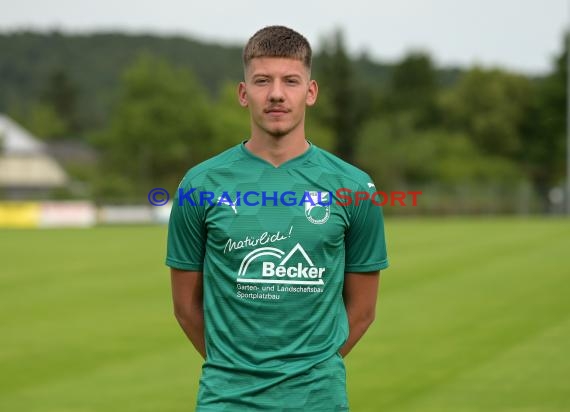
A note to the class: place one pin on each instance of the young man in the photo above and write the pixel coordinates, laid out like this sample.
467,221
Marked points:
274,281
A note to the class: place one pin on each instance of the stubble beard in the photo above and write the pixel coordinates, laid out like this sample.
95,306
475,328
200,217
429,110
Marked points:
280,132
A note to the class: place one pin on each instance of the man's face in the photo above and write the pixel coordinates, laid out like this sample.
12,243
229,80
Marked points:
276,90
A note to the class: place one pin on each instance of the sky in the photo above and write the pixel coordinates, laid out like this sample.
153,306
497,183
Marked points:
519,35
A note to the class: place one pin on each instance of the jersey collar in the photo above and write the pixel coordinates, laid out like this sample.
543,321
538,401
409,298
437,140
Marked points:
296,161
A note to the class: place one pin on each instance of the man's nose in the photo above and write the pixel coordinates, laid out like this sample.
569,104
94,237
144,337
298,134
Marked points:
276,92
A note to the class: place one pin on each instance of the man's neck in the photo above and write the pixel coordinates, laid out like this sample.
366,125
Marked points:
277,150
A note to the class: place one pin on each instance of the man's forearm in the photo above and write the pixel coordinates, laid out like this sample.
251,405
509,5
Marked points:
187,295
360,294
193,327
357,327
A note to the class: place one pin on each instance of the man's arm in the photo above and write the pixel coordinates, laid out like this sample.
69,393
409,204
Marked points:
187,295
360,294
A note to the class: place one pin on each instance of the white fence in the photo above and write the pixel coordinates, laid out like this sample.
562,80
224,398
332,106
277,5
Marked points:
77,214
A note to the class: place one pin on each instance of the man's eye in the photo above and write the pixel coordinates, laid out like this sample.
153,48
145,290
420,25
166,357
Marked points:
292,81
260,81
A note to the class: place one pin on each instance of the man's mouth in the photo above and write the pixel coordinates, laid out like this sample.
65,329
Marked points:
276,110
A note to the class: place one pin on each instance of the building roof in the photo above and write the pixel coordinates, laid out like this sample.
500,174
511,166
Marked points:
23,159
14,139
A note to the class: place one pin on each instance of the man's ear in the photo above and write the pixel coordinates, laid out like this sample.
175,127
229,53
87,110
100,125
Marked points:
242,95
312,93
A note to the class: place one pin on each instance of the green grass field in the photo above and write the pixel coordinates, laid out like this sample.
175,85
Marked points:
474,315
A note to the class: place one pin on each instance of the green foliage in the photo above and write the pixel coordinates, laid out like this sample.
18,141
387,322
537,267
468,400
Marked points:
544,137
408,123
339,108
318,132
45,122
61,95
397,154
231,124
94,64
413,88
490,106
52,114
161,126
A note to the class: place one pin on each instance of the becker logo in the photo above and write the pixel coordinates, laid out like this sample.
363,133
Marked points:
304,272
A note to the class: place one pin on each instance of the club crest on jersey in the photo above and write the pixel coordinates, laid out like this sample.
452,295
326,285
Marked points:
318,210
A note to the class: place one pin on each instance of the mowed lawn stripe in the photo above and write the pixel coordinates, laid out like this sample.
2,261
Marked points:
422,251
471,313
430,332
97,296
527,376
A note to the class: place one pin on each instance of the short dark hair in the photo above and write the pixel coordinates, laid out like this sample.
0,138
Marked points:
278,41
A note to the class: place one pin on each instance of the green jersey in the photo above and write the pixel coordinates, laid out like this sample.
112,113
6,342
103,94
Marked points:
273,244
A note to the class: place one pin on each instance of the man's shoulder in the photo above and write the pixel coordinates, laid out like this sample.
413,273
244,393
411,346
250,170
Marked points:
222,160
335,165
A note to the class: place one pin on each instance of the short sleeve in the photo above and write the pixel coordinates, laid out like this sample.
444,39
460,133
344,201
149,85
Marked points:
365,242
186,242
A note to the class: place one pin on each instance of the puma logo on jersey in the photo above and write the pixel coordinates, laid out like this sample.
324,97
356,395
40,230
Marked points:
225,200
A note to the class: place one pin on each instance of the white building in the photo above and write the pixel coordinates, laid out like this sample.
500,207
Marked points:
25,167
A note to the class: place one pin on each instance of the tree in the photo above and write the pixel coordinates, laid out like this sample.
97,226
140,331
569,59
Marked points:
232,120
400,155
45,122
60,94
450,171
544,129
338,104
490,106
40,119
413,87
160,128
52,114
